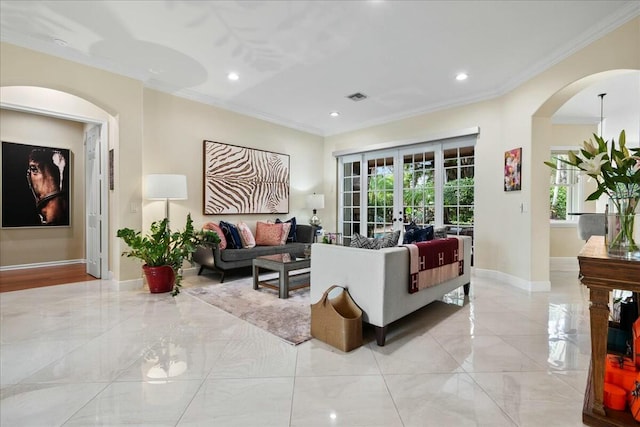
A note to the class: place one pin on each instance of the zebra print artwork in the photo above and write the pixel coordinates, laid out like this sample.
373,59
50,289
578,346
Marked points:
239,180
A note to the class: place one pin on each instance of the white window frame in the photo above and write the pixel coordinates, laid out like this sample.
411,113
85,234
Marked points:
438,146
577,191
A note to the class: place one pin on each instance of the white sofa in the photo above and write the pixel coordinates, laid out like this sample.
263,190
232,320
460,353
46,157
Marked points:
378,281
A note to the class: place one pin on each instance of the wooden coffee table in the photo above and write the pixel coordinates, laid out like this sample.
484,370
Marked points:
283,264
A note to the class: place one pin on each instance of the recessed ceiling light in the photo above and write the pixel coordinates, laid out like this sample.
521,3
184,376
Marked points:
462,76
155,71
334,114
60,42
233,76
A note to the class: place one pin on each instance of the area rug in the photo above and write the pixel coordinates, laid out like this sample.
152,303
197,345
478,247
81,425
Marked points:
289,319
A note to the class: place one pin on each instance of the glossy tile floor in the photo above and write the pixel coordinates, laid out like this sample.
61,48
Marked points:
88,354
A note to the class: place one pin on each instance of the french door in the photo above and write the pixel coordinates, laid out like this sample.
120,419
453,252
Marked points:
431,183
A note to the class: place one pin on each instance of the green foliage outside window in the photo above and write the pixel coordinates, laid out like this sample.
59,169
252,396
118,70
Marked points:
419,199
559,210
459,193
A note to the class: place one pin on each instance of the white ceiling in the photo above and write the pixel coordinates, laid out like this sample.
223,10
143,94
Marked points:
298,60
620,106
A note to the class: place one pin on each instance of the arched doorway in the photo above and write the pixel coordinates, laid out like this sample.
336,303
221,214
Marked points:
544,121
56,104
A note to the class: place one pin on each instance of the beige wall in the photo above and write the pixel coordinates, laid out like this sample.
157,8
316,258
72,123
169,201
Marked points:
173,143
174,129
152,124
507,240
563,240
46,244
117,95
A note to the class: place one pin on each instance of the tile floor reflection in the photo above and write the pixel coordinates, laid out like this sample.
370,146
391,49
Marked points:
89,354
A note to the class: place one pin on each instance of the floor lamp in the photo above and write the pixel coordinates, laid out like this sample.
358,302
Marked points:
165,187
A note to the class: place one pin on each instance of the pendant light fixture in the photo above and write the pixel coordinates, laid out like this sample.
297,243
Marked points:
601,95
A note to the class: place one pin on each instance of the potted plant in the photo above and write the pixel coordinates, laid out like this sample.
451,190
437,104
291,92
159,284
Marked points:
617,175
163,252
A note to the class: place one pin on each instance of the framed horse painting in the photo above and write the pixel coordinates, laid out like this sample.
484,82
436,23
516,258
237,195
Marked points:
35,186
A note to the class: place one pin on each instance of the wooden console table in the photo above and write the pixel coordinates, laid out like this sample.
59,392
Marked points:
601,275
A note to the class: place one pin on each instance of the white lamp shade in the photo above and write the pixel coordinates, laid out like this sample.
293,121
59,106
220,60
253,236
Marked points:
315,201
165,187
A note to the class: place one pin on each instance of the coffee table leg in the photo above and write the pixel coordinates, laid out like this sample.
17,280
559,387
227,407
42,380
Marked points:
256,276
284,284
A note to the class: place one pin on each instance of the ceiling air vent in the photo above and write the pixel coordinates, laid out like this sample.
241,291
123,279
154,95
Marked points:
357,96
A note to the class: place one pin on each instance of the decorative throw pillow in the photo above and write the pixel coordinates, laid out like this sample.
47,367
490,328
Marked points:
410,226
216,228
286,226
418,234
292,232
440,233
389,240
360,241
268,234
246,235
231,234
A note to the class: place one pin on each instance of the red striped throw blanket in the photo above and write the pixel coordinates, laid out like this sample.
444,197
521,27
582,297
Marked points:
434,262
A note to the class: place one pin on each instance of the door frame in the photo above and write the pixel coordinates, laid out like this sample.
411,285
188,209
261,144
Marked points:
397,151
104,196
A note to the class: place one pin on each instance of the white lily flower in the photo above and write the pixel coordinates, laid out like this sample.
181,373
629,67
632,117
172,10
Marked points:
573,159
590,147
636,167
593,166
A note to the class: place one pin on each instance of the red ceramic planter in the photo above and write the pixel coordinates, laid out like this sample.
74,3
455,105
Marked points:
160,279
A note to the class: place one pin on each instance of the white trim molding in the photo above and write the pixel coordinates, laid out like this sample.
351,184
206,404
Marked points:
130,285
42,264
526,285
432,137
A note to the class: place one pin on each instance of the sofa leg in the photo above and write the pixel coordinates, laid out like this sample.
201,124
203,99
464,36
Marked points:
200,271
221,276
381,335
466,288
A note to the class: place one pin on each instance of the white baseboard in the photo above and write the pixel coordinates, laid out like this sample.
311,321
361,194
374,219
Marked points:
42,264
527,285
129,285
190,271
564,264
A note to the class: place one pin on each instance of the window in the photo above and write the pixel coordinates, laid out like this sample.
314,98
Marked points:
419,192
427,183
458,190
351,196
564,191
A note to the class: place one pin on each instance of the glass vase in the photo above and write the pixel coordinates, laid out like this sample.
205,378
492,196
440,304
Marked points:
623,230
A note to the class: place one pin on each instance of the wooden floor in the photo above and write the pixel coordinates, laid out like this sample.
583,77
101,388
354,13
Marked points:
15,280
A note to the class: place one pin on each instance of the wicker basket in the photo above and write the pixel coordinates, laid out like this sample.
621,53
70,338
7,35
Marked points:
337,321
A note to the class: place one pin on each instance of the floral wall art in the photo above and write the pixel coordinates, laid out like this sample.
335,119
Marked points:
512,169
